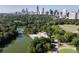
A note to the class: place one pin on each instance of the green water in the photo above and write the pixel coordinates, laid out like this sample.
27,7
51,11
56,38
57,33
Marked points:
18,46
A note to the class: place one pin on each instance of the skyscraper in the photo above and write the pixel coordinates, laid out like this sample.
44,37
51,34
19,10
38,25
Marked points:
26,10
51,12
47,13
72,15
38,12
42,11
64,13
23,11
55,12
78,10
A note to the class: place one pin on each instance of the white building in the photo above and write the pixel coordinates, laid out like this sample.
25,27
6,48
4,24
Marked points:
72,15
39,35
63,13
77,15
60,14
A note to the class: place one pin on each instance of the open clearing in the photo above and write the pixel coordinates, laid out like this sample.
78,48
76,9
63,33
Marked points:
67,51
67,48
70,28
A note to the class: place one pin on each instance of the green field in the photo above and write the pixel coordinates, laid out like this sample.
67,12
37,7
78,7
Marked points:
65,50
70,28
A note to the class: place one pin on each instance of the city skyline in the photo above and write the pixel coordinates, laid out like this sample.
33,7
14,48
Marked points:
18,8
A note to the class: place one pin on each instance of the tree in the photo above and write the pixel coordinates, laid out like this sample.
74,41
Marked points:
78,29
41,45
30,48
40,48
60,38
61,32
48,46
68,37
75,41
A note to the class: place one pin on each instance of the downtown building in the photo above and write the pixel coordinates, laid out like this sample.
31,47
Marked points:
72,15
77,15
63,14
68,15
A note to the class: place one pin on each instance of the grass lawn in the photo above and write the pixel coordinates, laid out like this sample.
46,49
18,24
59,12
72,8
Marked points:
67,51
70,28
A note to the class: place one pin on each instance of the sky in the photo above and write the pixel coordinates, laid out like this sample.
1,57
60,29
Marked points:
14,8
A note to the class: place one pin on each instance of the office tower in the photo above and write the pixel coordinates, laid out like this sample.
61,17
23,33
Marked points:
72,15
64,13
78,10
67,15
42,11
47,13
26,10
55,12
51,12
57,15
77,14
23,11
38,12
60,14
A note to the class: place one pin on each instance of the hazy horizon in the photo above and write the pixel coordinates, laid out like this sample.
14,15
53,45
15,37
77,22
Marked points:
15,8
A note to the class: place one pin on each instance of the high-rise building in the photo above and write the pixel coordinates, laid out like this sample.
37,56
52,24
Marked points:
23,11
42,11
67,15
38,12
55,12
57,15
77,15
51,12
64,13
78,10
26,10
47,13
72,15
60,14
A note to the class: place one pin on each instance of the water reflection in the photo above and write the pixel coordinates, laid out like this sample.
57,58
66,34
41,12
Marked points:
19,45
